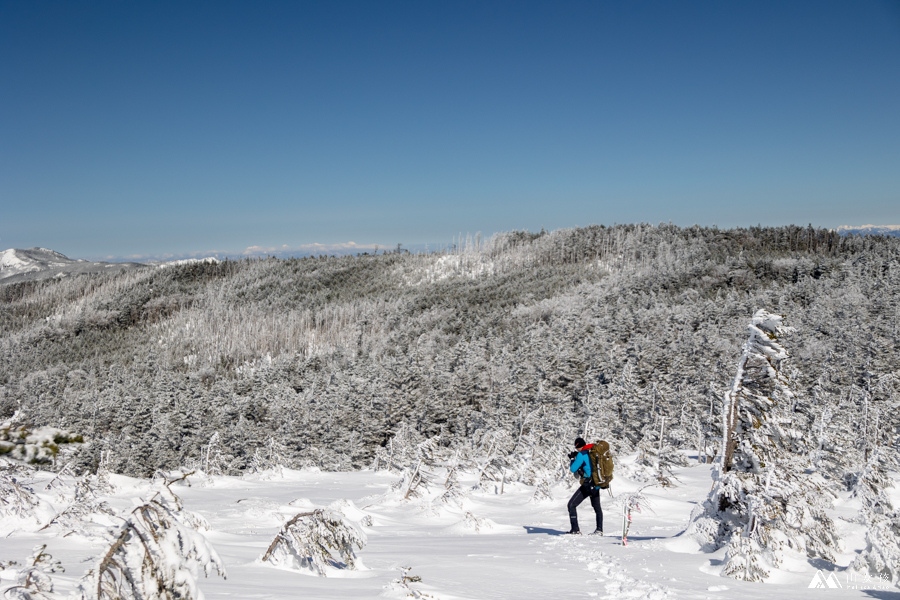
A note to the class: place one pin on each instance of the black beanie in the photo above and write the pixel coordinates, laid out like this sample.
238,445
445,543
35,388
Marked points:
579,442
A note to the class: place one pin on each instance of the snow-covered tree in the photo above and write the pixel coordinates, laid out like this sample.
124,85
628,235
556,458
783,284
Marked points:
881,556
407,449
762,500
214,458
33,445
454,493
316,540
273,455
153,556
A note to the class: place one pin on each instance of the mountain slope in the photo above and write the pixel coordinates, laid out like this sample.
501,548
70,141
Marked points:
41,263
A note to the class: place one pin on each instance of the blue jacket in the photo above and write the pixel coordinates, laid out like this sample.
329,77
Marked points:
582,461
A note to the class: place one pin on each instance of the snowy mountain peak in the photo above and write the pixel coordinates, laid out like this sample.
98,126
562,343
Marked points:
42,263
15,261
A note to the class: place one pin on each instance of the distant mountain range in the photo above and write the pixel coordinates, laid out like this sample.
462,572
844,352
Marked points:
893,230
41,263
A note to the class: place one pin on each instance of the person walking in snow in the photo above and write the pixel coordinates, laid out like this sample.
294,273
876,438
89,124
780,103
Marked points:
581,466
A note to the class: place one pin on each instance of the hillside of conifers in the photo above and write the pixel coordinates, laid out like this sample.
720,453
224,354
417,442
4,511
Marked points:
519,342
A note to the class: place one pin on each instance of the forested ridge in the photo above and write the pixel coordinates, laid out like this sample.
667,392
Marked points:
629,332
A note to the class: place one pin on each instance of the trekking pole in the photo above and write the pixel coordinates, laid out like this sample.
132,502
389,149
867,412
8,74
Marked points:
630,503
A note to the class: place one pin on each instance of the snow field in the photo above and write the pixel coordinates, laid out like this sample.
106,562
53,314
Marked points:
493,547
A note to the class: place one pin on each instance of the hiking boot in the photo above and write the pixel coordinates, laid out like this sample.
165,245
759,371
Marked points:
573,532
597,532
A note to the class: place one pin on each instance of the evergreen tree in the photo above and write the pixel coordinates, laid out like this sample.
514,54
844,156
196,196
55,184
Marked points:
763,501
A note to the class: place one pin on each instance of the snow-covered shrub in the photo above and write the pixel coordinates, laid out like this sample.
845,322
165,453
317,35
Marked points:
406,449
454,494
493,457
17,499
659,455
271,457
415,457
873,477
476,523
163,483
881,556
153,556
214,458
745,559
314,541
402,587
84,505
413,482
540,464
542,493
34,581
34,446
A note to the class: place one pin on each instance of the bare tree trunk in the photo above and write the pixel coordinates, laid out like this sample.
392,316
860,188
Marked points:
730,407
729,416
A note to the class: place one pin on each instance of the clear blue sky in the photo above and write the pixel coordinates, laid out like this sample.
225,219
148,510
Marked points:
153,128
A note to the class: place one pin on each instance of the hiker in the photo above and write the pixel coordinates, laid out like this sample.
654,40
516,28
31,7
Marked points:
581,465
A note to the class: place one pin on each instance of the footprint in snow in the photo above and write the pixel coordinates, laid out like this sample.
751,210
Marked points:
616,583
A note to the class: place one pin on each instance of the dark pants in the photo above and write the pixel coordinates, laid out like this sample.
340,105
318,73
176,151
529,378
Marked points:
585,491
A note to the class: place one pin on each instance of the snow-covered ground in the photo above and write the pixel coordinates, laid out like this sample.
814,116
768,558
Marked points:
493,546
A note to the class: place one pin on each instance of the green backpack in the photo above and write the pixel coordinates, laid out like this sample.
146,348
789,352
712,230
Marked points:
601,464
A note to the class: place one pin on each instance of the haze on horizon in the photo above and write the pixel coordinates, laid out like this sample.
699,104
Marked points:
167,129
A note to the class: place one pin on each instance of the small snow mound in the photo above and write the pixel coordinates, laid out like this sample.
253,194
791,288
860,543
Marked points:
302,503
472,524
352,512
684,544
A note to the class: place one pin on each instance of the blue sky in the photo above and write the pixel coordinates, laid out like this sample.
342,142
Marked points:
171,128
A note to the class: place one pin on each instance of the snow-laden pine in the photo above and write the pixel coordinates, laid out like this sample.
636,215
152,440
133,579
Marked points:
153,556
764,500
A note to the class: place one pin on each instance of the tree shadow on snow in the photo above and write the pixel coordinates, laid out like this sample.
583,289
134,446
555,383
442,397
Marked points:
882,594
